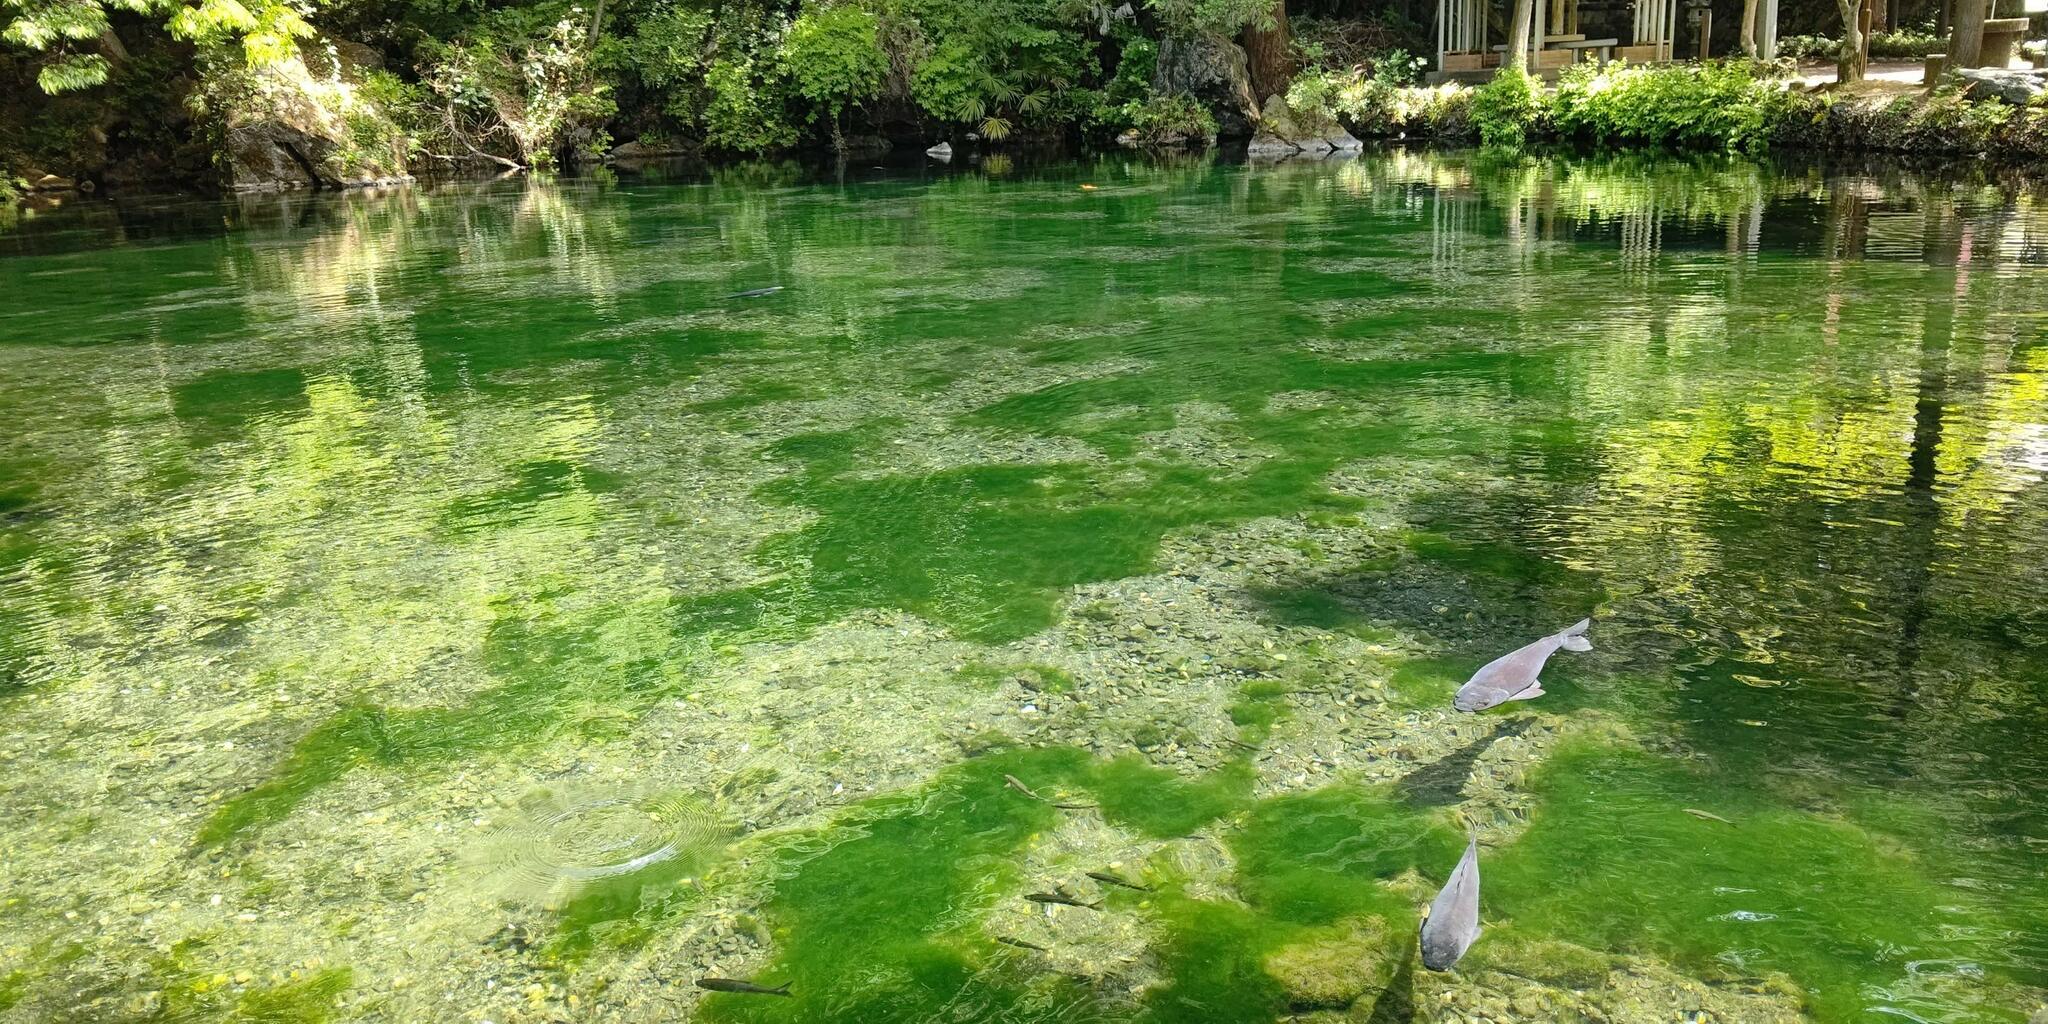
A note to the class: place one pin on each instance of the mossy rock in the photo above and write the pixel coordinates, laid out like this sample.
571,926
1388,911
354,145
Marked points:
1559,964
1346,963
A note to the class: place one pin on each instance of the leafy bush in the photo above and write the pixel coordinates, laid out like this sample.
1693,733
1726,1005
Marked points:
999,66
834,58
666,52
386,116
1903,44
1224,17
1506,109
1942,121
1376,45
1313,95
1371,107
1719,105
745,112
520,87
1169,121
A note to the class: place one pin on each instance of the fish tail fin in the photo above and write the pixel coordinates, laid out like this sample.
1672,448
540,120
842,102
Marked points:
780,990
1574,638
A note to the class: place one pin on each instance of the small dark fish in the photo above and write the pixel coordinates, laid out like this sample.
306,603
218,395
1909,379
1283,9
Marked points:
1709,816
1020,943
1018,784
741,987
1453,922
1512,676
1108,879
755,293
1064,899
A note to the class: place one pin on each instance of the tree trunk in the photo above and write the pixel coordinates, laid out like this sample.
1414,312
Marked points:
1749,28
1267,60
1854,58
111,45
1517,56
596,21
1966,41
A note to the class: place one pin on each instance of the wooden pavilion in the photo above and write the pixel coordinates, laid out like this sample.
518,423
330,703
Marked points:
1465,51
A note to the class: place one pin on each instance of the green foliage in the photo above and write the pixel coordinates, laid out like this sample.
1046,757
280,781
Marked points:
1000,66
1312,96
665,50
521,86
1381,46
1371,106
531,81
72,72
386,117
745,112
1941,121
1167,121
265,31
1717,105
1505,110
1903,44
834,57
1224,17
55,27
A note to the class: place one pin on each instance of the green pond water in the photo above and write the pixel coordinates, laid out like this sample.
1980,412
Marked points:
457,604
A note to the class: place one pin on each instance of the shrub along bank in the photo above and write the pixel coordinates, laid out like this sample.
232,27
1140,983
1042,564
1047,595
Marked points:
380,87
1716,106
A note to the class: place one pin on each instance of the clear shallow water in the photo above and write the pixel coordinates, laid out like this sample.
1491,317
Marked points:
454,605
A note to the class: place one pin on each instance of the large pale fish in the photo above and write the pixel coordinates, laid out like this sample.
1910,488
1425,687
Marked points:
1513,676
1453,922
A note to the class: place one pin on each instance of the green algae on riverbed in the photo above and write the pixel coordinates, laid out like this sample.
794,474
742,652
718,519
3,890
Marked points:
327,542
885,924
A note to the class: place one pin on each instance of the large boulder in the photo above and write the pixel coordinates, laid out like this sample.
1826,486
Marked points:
304,123
2015,87
1211,69
1284,132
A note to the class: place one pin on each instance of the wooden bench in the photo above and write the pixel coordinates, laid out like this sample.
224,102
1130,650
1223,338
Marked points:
1603,48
